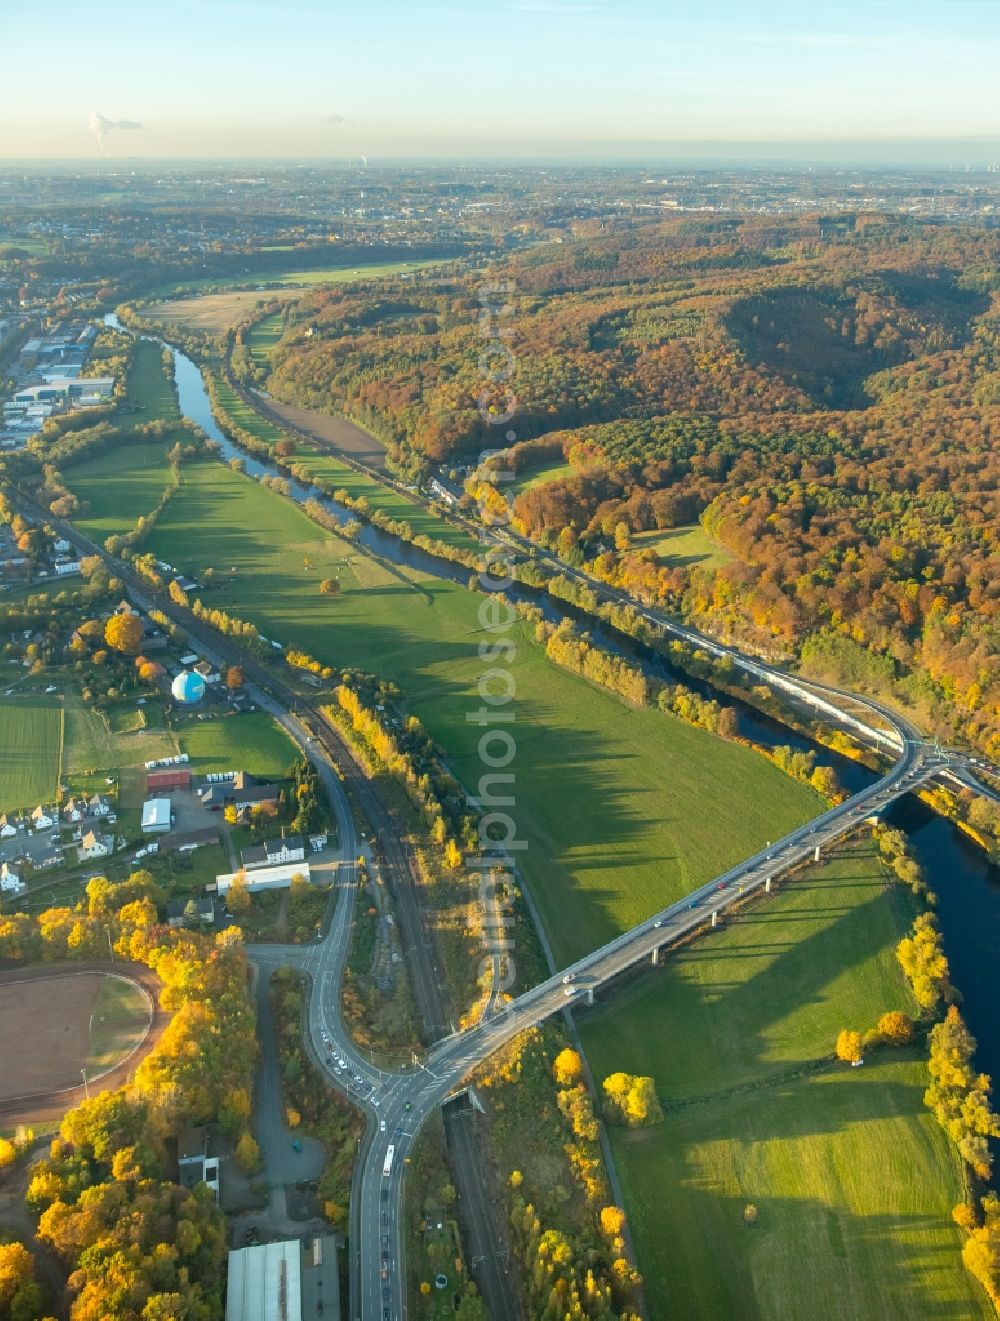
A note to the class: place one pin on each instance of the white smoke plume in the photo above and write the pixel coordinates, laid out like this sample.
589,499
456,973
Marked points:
101,126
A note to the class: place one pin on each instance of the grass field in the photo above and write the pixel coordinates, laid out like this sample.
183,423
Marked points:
252,742
37,247
31,737
120,484
683,545
148,385
296,278
853,1180
325,467
118,1023
621,809
538,475
92,748
129,480
214,313
263,338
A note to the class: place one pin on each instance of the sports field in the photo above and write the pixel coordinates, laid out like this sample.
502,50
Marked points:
852,1178
251,742
119,1019
58,1022
621,809
31,737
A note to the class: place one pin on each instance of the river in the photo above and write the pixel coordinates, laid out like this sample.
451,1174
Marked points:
968,888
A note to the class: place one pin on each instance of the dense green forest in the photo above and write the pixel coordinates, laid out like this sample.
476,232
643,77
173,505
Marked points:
823,398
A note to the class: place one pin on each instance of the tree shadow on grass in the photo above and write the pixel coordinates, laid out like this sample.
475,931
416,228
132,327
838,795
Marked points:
726,1009
802,1258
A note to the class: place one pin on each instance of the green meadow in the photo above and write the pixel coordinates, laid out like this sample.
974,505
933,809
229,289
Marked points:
31,737
250,742
852,1178
621,809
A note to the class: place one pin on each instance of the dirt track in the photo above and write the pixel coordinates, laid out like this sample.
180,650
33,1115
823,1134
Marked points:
44,1031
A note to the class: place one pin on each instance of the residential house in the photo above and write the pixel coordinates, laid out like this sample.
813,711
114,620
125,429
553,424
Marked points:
10,881
40,819
194,1164
94,845
317,841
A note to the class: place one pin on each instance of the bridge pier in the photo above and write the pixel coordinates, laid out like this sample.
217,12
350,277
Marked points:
715,918
590,995
767,886
654,958
816,854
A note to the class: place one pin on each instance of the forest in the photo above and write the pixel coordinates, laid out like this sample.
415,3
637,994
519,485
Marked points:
823,399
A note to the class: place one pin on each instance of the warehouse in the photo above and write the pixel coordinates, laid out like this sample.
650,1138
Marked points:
156,816
265,878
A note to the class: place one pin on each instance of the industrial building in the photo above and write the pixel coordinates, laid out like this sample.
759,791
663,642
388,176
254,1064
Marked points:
284,1281
265,878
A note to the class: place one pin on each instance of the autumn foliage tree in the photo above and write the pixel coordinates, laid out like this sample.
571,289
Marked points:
123,632
21,1297
567,1067
849,1046
631,1099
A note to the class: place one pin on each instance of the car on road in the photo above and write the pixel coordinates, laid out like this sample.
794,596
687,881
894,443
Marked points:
296,1144
385,1217
386,1293
694,903
658,923
381,1126
721,885
385,1196
570,990
385,1240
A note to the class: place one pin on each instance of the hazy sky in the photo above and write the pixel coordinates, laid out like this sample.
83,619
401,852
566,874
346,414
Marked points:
388,78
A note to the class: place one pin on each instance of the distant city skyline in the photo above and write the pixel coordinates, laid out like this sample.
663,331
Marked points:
912,80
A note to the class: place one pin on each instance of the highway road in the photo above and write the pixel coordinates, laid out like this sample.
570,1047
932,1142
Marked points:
397,1103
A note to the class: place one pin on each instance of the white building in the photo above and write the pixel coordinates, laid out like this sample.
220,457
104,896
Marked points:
10,882
156,816
94,845
264,878
273,852
85,390
265,1283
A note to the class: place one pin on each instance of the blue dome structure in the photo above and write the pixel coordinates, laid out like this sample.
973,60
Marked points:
188,687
